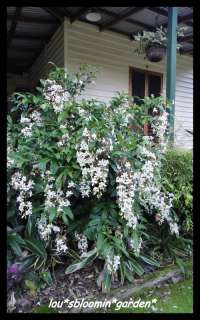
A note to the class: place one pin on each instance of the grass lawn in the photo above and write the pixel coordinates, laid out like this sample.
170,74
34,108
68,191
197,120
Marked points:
174,298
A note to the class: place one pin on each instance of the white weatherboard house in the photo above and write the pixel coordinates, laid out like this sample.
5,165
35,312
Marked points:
120,69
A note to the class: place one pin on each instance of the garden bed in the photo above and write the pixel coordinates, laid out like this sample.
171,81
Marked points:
83,285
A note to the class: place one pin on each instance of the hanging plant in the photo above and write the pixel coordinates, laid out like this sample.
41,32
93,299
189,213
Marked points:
154,44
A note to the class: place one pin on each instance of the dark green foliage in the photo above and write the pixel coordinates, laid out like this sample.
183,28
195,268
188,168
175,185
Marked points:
177,177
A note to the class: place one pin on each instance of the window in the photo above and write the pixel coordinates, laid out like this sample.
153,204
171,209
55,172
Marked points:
143,83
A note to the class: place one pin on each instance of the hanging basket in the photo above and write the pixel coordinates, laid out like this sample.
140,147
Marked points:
155,53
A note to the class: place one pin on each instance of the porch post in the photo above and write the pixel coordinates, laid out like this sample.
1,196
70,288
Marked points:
171,66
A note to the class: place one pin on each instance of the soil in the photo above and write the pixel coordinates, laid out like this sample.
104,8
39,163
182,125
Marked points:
76,285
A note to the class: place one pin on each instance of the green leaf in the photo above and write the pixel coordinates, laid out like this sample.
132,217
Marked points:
52,214
63,115
29,226
150,261
120,246
42,164
54,167
36,247
106,283
27,262
64,218
68,212
15,242
122,272
87,258
128,273
180,263
100,241
46,277
137,267
126,231
32,287
61,178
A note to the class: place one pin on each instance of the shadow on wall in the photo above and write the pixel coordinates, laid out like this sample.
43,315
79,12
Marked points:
17,83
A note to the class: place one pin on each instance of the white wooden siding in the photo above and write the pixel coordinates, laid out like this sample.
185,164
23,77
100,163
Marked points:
113,54
54,52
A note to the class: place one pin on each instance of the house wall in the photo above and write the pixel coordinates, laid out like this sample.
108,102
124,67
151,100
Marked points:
113,54
54,52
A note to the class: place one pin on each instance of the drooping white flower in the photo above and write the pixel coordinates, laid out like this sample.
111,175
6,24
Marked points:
34,119
125,193
46,229
24,186
112,263
94,168
82,242
56,95
61,246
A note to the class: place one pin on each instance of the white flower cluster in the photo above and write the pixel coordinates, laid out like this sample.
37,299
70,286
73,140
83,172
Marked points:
143,182
124,113
63,141
64,125
36,118
28,122
61,246
93,166
82,242
10,161
45,229
27,130
84,113
25,187
112,263
159,125
135,248
174,227
56,95
150,195
56,198
145,176
126,192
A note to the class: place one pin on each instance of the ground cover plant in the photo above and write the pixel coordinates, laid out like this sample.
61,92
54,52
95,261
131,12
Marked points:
85,184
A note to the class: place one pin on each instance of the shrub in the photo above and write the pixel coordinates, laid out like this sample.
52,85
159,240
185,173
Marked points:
177,175
82,183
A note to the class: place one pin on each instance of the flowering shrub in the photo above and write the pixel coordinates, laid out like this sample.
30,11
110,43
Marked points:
82,181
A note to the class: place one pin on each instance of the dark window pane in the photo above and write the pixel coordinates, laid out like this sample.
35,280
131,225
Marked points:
154,85
138,86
